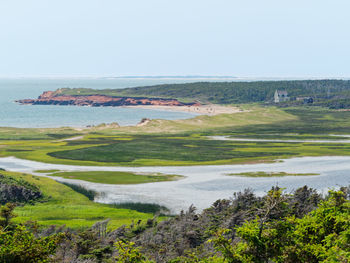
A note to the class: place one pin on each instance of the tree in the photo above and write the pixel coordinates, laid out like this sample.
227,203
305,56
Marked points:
128,253
6,214
21,246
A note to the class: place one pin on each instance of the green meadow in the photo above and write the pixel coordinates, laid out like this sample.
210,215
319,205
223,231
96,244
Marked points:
159,150
8,133
186,142
116,177
63,206
308,122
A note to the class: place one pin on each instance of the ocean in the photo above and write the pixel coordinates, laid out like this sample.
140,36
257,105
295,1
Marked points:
40,116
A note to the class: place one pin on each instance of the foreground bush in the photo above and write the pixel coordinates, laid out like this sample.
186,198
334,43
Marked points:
279,227
323,235
20,245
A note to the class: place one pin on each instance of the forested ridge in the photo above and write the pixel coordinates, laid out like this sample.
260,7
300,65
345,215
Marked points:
324,92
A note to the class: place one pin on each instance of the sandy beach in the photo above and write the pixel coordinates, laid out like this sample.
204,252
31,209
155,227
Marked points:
211,109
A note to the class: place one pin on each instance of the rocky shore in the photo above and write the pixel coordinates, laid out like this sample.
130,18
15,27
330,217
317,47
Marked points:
54,98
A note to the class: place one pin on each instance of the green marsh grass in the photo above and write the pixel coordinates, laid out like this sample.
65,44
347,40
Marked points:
143,207
91,194
46,171
269,174
185,142
65,206
116,177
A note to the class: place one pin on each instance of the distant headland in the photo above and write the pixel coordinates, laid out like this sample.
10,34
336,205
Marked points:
96,100
333,94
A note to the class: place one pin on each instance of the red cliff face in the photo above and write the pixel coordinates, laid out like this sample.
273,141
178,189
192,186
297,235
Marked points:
46,94
54,98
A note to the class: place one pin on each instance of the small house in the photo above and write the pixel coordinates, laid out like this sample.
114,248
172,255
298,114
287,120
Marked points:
281,96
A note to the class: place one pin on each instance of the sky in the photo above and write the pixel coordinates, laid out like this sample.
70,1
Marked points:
243,38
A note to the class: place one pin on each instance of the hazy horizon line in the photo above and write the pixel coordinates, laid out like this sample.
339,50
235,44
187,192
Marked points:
91,76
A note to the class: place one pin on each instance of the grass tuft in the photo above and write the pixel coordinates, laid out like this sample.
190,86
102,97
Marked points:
143,207
91,194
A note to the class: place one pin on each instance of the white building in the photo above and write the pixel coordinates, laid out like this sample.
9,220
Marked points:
281,96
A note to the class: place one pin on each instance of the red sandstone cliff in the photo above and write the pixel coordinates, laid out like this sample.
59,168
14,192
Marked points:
54,98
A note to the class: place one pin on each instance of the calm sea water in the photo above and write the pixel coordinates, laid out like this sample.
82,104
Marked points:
15,115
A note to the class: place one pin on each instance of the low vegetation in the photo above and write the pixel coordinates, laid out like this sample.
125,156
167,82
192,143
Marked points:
188,143
116,177
144,207
269,174
91,194
7,133
65,206
308,122
47,171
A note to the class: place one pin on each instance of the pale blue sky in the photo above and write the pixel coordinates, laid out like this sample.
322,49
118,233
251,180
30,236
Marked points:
250,38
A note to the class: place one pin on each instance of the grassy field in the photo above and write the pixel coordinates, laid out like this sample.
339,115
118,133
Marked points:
252,115
308,122
185,142
36,134
158,150
116,177
67,207
270,174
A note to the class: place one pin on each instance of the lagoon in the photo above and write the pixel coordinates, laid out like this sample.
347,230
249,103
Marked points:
203,185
